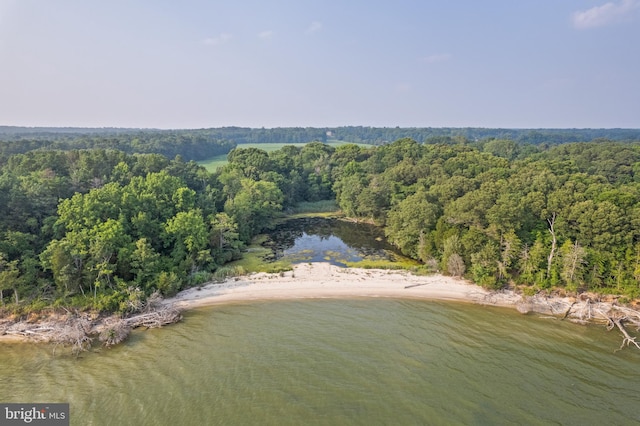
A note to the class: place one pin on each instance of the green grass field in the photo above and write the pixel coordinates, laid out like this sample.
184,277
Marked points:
212,164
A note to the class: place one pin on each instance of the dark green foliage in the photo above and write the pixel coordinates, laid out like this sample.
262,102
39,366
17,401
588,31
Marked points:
92,228
104,229
456,136
189,144
500,207
96,228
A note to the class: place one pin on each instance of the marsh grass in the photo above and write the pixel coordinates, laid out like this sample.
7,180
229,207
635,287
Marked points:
255,259
229,271
406,264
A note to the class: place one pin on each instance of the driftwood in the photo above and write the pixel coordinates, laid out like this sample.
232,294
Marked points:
115,332
615,317
584,310
627,339
414,285
566,314
71,331
78,331
76,335
154,319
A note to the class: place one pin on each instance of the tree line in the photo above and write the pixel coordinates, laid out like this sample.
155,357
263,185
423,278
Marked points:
435,135
191,145
148,140
105,229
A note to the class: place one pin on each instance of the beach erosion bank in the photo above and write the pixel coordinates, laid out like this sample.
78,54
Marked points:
325,281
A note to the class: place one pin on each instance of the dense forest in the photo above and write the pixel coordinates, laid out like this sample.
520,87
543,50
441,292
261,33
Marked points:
430,135
565,217
104,228
191,145
201,143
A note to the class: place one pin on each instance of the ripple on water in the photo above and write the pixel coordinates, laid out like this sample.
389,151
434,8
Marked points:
341,362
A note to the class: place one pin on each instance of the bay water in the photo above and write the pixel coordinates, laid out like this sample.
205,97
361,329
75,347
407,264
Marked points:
335,362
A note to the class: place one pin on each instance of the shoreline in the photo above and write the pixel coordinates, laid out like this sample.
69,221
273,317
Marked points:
306,281
325,281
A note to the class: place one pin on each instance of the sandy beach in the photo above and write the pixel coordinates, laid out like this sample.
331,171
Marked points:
305,281
322,280
325,281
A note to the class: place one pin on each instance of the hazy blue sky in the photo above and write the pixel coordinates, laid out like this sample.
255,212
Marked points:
191,64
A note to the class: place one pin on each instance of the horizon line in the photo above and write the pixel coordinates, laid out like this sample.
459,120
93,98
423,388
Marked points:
2,126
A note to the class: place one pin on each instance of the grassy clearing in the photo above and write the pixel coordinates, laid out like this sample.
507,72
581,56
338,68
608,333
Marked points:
323,206
212,164
336,143
270,147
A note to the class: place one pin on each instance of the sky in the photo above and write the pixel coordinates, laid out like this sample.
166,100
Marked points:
259,63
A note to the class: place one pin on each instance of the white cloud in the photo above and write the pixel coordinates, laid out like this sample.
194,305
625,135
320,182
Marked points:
442,57
216,41
314,27
607,14
266,34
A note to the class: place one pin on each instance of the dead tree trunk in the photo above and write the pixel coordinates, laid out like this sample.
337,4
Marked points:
627,339
554,243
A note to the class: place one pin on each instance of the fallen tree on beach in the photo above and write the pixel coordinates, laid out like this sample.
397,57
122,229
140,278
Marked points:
116,330
584,310
627,340
79,330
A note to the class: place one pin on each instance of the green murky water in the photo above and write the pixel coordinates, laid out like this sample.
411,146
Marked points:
334,362
335,241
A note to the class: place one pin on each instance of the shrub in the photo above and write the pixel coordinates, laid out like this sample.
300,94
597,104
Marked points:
200,277
169,283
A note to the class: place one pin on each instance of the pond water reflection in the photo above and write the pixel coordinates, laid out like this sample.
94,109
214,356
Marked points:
336,241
